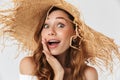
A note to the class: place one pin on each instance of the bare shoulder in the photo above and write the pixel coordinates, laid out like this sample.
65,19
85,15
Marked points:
91,73
27,66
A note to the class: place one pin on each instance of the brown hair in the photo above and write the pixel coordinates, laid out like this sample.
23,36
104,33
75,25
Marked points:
75,60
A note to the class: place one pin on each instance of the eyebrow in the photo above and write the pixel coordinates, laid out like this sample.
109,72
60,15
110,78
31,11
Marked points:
64,19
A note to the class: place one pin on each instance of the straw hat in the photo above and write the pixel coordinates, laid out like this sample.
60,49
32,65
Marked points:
30,14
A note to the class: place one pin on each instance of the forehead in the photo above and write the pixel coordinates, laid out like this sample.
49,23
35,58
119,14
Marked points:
57,13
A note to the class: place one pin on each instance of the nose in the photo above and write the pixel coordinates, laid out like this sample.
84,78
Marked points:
51,32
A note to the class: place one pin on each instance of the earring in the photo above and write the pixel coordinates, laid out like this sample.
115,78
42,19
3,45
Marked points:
75,42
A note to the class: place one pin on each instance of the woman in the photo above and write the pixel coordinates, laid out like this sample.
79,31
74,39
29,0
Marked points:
63,44
57,60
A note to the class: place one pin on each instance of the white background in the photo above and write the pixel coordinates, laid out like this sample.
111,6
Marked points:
102,15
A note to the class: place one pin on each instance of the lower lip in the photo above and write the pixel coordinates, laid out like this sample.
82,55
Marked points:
53,46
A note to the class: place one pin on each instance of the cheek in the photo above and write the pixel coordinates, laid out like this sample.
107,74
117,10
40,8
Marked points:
66,35
43,34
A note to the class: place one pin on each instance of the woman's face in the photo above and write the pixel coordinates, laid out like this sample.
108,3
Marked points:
57,31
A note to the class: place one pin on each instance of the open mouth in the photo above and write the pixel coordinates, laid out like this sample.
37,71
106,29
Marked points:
53,43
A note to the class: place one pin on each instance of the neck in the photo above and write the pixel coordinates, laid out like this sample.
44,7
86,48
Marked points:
62,58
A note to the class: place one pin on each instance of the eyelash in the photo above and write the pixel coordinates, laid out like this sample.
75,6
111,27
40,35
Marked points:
44,26
60,25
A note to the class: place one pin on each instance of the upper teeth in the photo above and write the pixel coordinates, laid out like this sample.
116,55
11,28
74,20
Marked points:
53,41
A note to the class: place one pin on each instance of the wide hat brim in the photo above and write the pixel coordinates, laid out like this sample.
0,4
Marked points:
28,15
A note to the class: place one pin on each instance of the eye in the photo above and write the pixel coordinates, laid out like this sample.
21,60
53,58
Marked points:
45,26
60,25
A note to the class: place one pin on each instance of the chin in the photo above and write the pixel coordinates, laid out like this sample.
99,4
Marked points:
56,52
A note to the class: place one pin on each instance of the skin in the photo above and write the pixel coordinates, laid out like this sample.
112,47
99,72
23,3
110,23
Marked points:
57,25
58,28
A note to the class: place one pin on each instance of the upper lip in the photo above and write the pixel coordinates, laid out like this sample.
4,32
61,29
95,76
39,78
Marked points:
53,41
